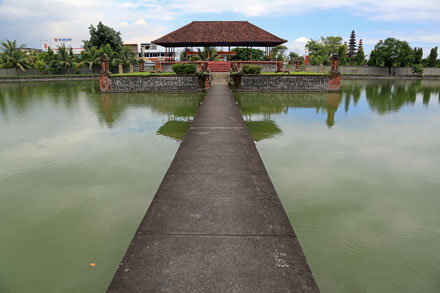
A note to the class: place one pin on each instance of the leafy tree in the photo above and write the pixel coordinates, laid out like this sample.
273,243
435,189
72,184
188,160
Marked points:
321,51
208,54
391,53
432,58
360,56
13,57
103,35
352,45
91,57
244,54
293,56
418,55
342,53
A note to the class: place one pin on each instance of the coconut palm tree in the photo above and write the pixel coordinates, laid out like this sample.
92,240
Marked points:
40,65
13,57
64,59
208,54
125,57
91,58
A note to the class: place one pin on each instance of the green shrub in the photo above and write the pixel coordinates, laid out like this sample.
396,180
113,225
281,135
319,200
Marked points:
184,68
251,69
418,69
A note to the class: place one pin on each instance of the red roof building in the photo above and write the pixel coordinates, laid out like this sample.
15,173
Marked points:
219,33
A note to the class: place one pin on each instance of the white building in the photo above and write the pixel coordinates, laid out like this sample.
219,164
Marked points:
152,52
75,42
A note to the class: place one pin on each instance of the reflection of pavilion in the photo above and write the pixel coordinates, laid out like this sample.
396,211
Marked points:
180,108
266,104
263,129
175,129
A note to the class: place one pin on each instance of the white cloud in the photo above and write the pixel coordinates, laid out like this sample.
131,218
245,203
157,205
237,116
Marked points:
59,17
302,40
403,10
67,18
298,45
140,22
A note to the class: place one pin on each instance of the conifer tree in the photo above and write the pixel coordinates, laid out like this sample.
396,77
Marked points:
360,56
352,45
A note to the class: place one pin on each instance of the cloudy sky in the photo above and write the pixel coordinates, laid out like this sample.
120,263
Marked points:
416,21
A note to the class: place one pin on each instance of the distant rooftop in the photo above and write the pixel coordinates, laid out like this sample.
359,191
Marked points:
219,33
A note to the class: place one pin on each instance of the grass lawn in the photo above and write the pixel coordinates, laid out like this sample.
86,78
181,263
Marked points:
49,75
294,73
143,74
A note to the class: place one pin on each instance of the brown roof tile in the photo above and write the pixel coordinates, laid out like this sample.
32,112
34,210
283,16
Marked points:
219,33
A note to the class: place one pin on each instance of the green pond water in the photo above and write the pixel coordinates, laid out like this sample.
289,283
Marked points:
77,172
358,173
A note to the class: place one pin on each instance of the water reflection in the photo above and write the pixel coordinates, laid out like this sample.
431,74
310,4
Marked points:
383,96
363,194
77,172
21,96
263,106
386,96
179,108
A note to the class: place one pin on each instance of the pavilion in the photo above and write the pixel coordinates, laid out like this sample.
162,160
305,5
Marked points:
219,34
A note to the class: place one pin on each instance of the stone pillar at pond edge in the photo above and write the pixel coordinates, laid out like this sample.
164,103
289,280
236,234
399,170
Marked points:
131,68
279,66
334,63
141,65
104,77
121,69
334,82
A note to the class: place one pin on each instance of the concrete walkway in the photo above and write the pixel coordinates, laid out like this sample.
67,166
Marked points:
216,223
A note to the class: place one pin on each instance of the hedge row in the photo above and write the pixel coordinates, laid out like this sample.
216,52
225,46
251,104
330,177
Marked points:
184,68
251,69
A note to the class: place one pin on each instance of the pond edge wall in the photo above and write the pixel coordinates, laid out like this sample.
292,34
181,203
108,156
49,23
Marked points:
286,83
151,83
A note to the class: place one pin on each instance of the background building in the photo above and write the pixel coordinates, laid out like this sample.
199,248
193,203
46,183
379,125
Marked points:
75,42
152,52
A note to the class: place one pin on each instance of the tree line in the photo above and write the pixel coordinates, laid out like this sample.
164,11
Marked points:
388,53
103,40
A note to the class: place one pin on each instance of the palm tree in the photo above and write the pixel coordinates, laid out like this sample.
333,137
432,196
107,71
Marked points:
40,65
63,58
125,57
184,54
91,57
208,54
13,57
